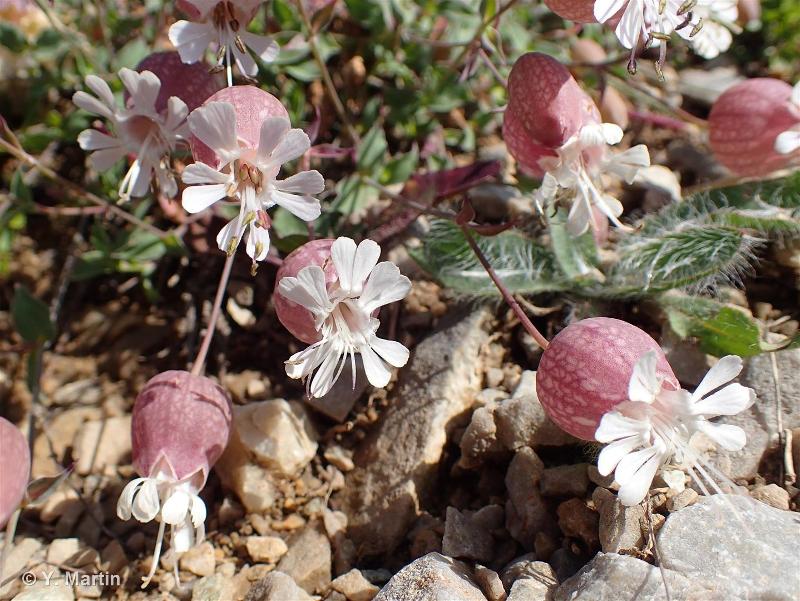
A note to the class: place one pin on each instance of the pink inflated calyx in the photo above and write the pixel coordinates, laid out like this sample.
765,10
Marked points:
580,11
546,107
252,106
180,427
192,83
745,122
295,318
15,469
586,370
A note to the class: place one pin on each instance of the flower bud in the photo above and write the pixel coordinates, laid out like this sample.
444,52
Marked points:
580,11
586,370
252,106
546,107
746,120
295,318
192,83
15,469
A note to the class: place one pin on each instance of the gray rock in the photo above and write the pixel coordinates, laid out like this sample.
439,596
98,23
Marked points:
277,586
620,525
480,438
737,546
612,577
490,583
397,465
536,584
565,481
773,495
760,421
578,520
465,537
526,512
213,588
354,586
518,568
341,398
308,560
433,577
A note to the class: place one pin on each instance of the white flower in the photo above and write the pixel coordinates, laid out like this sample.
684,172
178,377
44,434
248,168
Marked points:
250,176
789,141
577,169
163,497
658,425
223,23
343,315
719,20
138,130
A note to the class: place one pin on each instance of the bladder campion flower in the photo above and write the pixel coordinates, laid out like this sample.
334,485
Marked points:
241,137
180,426
328,294
139,130
224,24
606,380
15,469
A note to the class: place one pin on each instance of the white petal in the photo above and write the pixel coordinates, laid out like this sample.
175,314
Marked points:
191,39
635,489
613,453
177,111
303,363
787,142
605,9
125,502
725,370
257,246
613,425
91,139
244,61
385,285
143,89
644,384
145,504
141,178
102,160
198,511
629,29
273,129
377,372
324,379
176,507
390,351
308,289
101,90
306,208
730,400
580,216
215,125
631,464
227,234
263,46
93,105
200,173
305,182
627,164
612,133
182,538
199,198
294,144
730,438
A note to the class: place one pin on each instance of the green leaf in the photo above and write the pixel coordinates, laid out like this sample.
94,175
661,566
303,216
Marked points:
31,317
353,195
12,38
371,150
524,266
720,329
400,168
576,255
131,53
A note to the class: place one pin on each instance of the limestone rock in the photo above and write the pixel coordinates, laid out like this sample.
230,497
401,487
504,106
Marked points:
354,586
266,549
102,443
397,464
490,583
199,560
579,521
433,577
620,526
277,586
213,588
526,512
565,481
464,537
341,398
773,495
308,560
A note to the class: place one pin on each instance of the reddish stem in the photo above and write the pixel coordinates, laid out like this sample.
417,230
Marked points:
200,359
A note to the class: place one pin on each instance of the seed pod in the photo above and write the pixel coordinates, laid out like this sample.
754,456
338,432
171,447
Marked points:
192,83
299,320
586,370
546,107
15,469
744,123
247,7
580,11
252,105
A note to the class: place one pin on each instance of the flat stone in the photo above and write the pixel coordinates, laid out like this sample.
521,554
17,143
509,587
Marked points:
397,465
199,560
277,586
62,549
254,485
739,547
265,549
102,443
527,579
354,586
686,497
54,589
532,589
214,588
490,583
21,553
464,538
308,560
773,495
565,481
433,577
620,527
577,520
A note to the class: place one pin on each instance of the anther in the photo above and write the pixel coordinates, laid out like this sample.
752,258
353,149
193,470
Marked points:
696,29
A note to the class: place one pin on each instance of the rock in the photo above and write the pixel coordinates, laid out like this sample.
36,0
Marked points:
199,560
254,485
526,512
397,465
620,526
277,586
565,481
624,578
113,558
773,495
686,497
537,583
759,421
490,583
566,562
604,481
266,549
57,503
102,443
577,520
50,586
464,538
340,457
341,398
213,588
308,560
21,553
521,420
738,547
354,586
433,577
517,569
61,550
480,438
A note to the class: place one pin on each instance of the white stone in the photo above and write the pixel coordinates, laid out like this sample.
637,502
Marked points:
433,577
102,443
266,549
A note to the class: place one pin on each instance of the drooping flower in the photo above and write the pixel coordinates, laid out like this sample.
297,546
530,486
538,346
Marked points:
606,380
180,427
577,170
328,294
753,126
719,24
241,137
15,469
139,130
223,23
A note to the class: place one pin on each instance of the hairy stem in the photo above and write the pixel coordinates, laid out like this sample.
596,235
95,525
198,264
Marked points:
200,360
